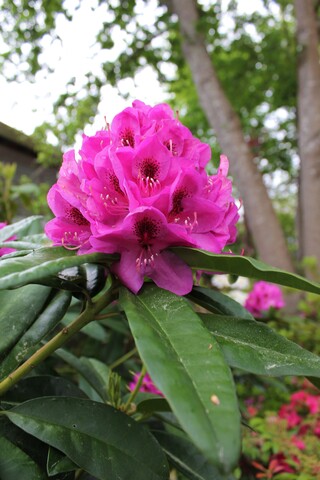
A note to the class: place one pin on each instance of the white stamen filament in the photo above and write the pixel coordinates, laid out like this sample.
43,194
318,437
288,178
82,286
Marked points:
146,259
149,185
190,225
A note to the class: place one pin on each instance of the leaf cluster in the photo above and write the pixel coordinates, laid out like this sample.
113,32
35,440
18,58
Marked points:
73,412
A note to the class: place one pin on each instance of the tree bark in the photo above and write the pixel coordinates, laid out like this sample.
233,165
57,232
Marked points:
262,221
308,127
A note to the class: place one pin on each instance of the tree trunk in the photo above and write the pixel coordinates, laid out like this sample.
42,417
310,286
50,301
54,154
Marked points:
263,223
308,127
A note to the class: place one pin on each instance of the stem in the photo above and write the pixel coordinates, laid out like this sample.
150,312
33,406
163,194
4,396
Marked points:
133,394
106,315
123,359
58,340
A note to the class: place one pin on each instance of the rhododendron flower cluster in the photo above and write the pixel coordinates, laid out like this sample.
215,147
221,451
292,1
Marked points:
262,297
5,250
140,187
147,384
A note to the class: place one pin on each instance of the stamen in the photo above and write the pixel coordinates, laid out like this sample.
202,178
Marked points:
190,225
112,204
107,124
69,248
149,185
146,259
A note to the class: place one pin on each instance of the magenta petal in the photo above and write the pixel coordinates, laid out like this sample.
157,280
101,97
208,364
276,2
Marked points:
127,271
171,273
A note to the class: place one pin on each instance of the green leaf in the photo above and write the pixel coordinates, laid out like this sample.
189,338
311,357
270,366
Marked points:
185,457
95,372
148,406
20,245
41,386
256,348
42,263
217,302
57,462
99,439
19,309
187,365
45,322
15,464
18,227
244,266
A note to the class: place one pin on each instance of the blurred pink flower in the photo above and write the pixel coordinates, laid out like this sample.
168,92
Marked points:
262,297
302,399
4,250
139,188
298,442
147,385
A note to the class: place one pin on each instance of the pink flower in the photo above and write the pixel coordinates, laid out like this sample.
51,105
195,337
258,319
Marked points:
147,385
4,251
139,188
263,297
288,412
316,430
279,464
298,442
303,399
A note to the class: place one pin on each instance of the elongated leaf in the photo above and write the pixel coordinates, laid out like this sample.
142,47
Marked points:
95,372
57,462
20,245
217,302
101,440
244,266
45,322
40,264
185,457
42,386
155,404
25,224
256,348
19,309
15,464
187,365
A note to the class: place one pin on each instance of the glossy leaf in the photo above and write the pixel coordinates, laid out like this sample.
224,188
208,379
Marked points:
21,226
187,365
185,457
45,322
15,464
19,309
41,386
95,372
31,446
42,263
96,437
217,302
153,404
57,463
20,245
256,348
244,266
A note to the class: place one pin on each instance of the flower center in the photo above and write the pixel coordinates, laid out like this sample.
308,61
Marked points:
146,230
148,175
114,200
127,138
75,216
177,198
114,182
171,146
